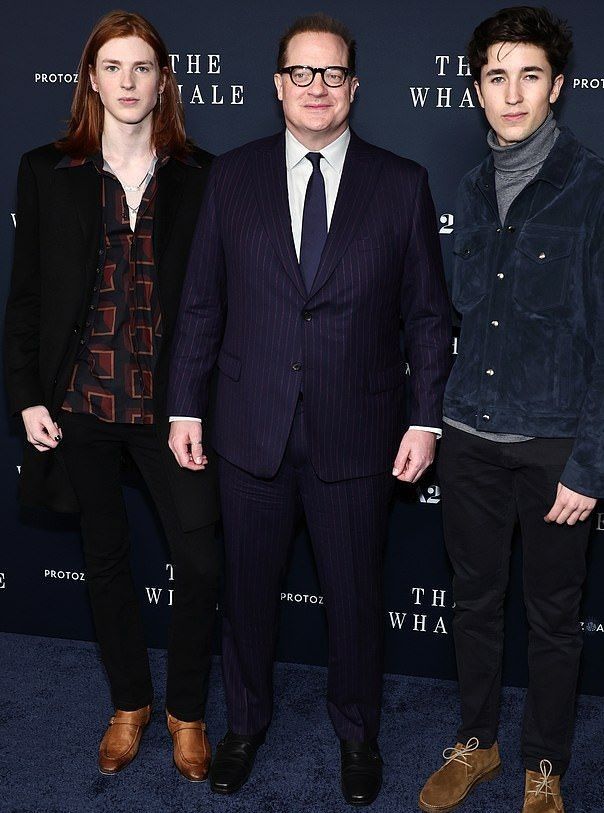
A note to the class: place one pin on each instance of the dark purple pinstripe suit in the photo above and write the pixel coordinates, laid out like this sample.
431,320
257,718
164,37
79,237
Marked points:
245,307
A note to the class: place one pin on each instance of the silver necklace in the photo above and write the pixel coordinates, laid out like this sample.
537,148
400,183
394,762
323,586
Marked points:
126,187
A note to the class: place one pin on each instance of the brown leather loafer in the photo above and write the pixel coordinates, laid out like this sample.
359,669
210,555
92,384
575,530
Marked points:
542,791
120,742
465,766
192,751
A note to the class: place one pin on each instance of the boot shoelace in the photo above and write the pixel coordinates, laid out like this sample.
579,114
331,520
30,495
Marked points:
459,754
544,783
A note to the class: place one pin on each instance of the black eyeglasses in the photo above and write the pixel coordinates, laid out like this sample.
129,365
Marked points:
303,75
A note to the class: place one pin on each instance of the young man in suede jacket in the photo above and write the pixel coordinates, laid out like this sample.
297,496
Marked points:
524,406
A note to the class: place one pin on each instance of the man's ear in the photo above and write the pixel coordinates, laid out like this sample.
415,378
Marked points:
479,94
163,79
556,88
278,79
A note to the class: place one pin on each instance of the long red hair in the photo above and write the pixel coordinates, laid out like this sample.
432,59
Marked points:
85,126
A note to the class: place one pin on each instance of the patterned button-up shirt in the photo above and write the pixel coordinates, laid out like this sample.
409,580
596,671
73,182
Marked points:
112,377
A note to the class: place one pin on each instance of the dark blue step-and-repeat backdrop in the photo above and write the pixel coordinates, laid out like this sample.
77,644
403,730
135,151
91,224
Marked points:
415,98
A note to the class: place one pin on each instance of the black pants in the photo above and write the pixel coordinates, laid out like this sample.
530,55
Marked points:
486,488
92,452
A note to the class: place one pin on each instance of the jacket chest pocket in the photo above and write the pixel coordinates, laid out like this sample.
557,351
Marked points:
469,284
542,271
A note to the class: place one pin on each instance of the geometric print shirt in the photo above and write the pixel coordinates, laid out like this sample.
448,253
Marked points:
112,377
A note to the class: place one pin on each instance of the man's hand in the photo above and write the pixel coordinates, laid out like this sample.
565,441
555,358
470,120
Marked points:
570,507
42,432
186,446
415,454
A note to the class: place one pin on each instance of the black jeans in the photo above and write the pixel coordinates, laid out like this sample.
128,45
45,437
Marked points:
92,452
486,488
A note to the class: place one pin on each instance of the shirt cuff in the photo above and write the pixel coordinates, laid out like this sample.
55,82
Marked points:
438,432
183,418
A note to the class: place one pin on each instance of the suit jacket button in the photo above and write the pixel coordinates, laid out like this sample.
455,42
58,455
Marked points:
297,366
307,316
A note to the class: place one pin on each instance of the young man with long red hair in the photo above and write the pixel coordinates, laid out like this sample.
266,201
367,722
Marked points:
104,221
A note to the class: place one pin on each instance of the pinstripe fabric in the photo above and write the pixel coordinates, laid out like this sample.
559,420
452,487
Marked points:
244,306
347,525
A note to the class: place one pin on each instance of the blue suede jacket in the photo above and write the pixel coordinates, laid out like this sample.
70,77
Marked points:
530,293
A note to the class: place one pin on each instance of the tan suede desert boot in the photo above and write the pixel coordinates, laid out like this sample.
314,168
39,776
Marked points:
465,766
542,791
120,742
192,750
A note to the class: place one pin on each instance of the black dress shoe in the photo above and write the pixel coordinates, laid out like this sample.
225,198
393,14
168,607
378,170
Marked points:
234,761
361,771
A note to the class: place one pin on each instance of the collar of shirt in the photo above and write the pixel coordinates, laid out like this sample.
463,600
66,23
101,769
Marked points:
334,153
67,161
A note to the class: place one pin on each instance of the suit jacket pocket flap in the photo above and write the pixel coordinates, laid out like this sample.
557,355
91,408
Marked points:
368,244
229,365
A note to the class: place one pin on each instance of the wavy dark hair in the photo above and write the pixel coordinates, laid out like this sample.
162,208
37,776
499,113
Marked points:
85,126
527,24
319,24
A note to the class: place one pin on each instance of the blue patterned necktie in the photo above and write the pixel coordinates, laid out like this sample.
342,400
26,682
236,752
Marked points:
314,223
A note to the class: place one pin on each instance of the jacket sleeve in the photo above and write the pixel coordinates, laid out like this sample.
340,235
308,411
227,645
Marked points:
584,470
201,314
22,319
426,313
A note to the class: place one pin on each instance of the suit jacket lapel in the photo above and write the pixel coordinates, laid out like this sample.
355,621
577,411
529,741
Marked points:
273,204
170,180
85,184
359,176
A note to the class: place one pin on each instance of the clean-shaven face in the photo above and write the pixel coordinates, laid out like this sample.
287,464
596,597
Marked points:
516,90
127,78
317,114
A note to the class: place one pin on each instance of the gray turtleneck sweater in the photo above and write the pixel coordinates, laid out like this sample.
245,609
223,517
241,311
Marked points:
515,166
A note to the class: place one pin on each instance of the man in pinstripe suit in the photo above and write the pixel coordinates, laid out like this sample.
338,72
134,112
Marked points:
310,247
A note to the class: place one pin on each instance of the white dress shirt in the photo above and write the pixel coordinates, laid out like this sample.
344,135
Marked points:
299,170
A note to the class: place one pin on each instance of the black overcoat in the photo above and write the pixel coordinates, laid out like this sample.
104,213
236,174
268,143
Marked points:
55,262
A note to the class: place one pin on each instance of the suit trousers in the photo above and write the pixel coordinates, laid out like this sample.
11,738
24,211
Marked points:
487,488
347,523
92,452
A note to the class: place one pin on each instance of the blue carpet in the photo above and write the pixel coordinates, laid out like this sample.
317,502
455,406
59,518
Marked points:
55,706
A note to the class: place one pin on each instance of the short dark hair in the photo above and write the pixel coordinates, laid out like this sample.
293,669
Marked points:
534,26
320,24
